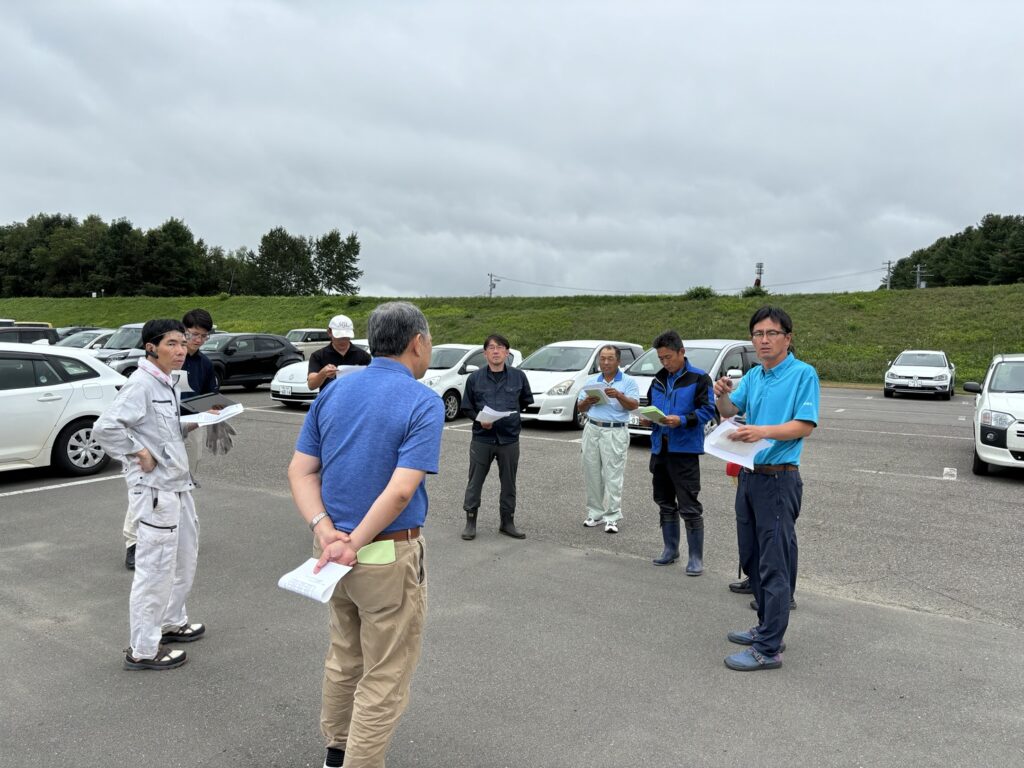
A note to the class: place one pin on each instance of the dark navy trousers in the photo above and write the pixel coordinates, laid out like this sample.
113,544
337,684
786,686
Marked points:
767,507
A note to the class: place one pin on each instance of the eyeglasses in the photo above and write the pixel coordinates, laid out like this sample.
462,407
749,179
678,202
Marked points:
770,335
197,336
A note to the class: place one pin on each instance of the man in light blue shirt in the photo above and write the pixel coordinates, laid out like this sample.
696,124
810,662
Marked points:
606,438
780,401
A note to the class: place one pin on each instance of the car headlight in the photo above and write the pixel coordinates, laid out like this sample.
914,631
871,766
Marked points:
891,376
942,377
432,381
996,419
118,356
562,387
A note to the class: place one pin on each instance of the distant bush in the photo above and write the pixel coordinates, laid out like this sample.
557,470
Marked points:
753,290
700,292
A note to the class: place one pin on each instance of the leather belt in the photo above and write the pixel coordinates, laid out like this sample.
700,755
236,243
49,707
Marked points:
771,469
607,424
407,535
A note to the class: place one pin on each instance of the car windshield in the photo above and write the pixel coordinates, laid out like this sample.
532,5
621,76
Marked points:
921,359
445,358
79,339
700,357
555,358
124,338
1008,377
216,342
295,335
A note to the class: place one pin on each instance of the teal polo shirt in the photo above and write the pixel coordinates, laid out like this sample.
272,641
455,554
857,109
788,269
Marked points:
771,397
613,412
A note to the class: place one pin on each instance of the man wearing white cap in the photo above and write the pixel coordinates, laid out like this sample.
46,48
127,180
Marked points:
324,363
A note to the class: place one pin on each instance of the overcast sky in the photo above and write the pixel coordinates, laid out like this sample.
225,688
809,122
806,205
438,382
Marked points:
628,146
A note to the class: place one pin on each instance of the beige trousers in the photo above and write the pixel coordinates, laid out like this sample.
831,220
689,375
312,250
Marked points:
377,614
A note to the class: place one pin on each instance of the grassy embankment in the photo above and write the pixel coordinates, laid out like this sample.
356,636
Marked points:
848,337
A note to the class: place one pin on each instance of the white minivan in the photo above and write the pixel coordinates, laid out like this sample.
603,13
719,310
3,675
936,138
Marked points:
450,366
558,371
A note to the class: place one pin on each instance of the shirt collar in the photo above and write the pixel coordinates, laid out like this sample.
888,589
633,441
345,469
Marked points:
616,377
781,368
389,364
154,371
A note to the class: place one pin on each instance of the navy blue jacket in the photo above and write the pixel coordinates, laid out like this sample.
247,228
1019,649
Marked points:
200,376
692,399
508,390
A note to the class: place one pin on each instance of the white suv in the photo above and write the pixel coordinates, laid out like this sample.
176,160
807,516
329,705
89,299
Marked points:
999,415
926,371
450,366
558,371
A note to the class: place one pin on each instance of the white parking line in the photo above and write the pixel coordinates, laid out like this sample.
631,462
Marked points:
522,436
901,474
896,434
62,485
840,410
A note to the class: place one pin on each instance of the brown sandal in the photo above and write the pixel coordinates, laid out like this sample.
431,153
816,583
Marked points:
165,659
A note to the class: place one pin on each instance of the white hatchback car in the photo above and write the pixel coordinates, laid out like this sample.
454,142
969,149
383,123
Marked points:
49,398
717,357
289,383
999,415
308,340
924,371
450,366
558,371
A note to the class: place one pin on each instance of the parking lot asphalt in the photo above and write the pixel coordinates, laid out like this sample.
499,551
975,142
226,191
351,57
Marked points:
566,649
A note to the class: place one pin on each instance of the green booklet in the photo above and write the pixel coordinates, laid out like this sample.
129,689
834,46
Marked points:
652,413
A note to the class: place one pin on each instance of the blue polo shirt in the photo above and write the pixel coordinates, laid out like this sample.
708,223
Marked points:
770,397
365,426
613,411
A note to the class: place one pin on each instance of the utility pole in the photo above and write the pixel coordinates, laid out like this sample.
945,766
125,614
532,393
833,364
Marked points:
758,273
888,275
493,283
919,283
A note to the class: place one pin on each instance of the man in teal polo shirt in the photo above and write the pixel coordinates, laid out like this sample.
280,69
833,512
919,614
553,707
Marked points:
357,477
606,438
780,401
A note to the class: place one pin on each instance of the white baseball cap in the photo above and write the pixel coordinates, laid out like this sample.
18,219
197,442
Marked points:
341,327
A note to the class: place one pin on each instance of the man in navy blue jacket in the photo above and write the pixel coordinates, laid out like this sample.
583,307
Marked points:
686,396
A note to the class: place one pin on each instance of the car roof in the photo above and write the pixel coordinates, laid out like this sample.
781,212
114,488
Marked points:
1013,357
590,343
49,349
290,330
922,352
715,342
458,346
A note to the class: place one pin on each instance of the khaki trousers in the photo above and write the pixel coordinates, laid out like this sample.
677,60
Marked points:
377,614
604,467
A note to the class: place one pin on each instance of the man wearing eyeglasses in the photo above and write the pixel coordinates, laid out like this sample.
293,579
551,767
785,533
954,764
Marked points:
780,401
203,381
505,389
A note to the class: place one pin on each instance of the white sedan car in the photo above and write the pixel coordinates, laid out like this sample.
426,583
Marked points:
924,371
289,383
50,397
999,415
450,366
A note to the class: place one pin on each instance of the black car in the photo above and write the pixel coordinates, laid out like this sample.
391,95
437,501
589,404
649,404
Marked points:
27,334
248,359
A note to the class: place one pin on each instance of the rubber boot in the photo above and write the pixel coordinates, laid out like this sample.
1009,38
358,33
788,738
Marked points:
695,545
469,532
670,533
508,527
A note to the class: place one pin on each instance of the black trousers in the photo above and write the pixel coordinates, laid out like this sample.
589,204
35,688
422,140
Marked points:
481,455
676,481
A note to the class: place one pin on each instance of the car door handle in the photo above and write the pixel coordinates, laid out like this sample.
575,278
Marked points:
50,397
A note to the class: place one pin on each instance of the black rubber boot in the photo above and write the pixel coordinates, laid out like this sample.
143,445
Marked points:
469,532
508,527
695,545
129,558
670,534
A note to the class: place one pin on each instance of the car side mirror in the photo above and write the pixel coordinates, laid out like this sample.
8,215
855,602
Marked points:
470,368
889,363
230,350
734,373
972,386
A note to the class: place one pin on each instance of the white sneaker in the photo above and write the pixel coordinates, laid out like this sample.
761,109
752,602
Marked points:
591,523
611,527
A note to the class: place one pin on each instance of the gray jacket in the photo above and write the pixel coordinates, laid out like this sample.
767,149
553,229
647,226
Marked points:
146,414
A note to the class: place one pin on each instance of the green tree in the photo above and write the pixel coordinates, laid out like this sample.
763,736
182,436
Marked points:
336,263
283,265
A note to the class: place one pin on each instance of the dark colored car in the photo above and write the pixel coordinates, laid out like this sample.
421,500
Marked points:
248,359
27,334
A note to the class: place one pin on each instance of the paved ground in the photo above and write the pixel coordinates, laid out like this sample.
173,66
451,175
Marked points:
567,649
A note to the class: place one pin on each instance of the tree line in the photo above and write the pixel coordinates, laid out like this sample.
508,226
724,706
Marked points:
60,256
991,253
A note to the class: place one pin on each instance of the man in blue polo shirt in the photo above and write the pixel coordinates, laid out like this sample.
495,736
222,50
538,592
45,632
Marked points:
606,438
780,401
357,478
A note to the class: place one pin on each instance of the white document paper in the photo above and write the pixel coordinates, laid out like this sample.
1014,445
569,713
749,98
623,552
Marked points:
490,415
319,586
718,444
206,418
602,398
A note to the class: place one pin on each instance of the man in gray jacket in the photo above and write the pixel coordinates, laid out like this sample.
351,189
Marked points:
142,428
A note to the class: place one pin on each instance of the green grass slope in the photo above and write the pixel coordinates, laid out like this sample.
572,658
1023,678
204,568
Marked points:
847,337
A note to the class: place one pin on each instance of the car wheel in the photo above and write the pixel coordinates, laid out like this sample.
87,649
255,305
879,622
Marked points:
888,392
218,375
579,420
452,403
711,426
76,453
979,467
946,395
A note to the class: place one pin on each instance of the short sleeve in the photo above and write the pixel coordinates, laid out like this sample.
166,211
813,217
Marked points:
807,397
631,388
738,396
309,437
421,448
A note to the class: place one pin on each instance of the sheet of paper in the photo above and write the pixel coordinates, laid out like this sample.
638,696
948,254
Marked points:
319,586
602,398
718,444
490,415
206,418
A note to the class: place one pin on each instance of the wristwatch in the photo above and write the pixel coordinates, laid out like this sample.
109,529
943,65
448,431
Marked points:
316,519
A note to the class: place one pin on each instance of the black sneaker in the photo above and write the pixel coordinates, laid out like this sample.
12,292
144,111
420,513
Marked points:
741,587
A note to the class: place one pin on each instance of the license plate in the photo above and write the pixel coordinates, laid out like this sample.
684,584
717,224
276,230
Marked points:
634,421
286,391
915,383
